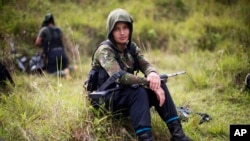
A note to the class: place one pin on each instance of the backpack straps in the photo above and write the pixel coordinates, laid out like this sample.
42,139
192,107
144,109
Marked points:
131,49
115,76
117,56
55,41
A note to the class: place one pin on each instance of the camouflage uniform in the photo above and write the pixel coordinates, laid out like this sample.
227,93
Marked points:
135,101
105,57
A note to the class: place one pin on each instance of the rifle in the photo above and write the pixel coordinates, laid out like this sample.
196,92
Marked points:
185,112
102,94
36,62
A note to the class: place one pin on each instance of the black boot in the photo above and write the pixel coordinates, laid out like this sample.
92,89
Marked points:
176,131
146,136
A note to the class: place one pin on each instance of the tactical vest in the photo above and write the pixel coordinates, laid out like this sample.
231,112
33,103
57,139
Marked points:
54,42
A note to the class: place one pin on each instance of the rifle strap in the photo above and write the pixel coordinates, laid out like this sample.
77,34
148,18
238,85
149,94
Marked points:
111,80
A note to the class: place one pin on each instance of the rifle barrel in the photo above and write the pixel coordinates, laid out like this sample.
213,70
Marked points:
165,76
174,74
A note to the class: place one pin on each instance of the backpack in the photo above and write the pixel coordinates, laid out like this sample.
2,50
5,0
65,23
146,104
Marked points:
99,80
36,63
5,76
54,42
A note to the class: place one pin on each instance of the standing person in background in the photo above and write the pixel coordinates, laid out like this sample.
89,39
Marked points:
149,90
50,39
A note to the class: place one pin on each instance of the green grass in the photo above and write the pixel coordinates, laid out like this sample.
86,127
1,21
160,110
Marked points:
50,108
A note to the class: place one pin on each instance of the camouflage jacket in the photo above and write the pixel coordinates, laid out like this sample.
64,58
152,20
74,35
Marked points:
105,57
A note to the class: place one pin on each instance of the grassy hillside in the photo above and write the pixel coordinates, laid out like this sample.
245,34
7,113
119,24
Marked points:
210,40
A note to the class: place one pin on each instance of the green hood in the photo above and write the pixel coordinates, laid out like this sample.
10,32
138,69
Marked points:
118,15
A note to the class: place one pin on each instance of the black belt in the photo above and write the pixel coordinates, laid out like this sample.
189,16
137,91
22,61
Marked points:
56,48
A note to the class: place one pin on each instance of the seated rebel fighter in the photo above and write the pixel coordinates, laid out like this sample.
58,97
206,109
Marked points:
136,100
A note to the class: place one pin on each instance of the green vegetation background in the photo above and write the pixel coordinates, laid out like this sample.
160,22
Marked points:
209,39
